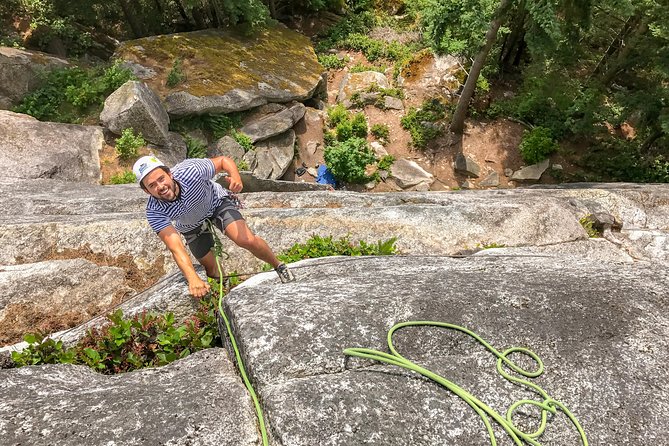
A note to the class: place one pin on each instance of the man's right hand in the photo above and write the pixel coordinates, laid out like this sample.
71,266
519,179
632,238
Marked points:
198,288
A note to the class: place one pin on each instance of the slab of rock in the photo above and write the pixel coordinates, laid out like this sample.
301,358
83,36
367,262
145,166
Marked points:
596,325
134,105
196,400
434,77
227,146
273,124
227,70
533,172
464,164
392,103
67,290
360,83
408,173
32,149
173,151
274,156
255,184
378,149
21,71
491,180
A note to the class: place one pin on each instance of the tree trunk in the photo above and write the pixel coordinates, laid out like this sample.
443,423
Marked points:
272,9
513,43
623,58
182,12
617,43
458,122
131,18
651,139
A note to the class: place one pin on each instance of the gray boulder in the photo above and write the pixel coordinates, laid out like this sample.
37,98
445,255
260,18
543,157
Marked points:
464,164
134,105
198,400
491,180
274,156
227,146
408,173
360,83
582,318
531,173
33,149
173,151
21,72
273,124
392,103
229,70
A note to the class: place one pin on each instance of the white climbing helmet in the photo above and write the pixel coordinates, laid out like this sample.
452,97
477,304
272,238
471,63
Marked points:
144,165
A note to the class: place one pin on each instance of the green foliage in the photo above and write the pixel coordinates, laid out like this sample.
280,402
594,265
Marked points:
491,245
127,177
537,144
589,225
381,132
386,162
242,165
127,344
347,160
218,125
351,24
619,160
176,74
318,246
420,122
332,61
127,146
243,140
337,114
359,125
195,148
68,95
360,67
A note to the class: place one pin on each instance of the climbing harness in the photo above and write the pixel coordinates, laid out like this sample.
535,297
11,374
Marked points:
484,411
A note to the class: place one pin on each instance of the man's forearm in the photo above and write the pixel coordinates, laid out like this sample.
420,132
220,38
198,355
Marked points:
185,265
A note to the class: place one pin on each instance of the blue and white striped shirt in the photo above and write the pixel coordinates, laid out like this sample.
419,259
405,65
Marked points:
198,197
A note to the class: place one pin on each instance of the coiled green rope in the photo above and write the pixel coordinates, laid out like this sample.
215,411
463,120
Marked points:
519,437
218,252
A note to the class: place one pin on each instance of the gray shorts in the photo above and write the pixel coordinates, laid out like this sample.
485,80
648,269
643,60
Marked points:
200,240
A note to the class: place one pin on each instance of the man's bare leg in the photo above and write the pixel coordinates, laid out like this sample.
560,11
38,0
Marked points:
242,236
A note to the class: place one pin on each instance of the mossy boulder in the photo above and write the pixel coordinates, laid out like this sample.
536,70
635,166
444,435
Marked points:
226,70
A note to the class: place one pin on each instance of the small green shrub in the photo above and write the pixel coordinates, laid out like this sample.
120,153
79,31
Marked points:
381,131
351,24
218,125
127,177
195,148
243,140
70,94
127,146
347,160
242,165
332,61
537,144
589,225
337,114
359,125
318,246
127,344
386,162
360,67
176,74
419,122
491,245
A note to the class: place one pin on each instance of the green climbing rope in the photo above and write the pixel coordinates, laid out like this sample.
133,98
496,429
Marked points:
519,437
218,252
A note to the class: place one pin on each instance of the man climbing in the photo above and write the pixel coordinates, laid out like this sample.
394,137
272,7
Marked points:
187,196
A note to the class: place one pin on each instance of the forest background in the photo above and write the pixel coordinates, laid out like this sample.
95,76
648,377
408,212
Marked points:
588,78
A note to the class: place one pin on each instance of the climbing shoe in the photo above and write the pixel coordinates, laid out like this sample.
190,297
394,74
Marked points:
284,273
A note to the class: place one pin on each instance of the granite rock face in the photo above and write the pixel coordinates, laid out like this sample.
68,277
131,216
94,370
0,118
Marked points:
599,327
31,149
197,400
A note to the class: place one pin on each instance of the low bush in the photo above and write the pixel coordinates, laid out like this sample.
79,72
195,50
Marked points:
347,160
381,132
243,140
127,146
421,122
332,61
195,148
71,94
318,246
386,162
127,177
537,144
176,74
127,344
